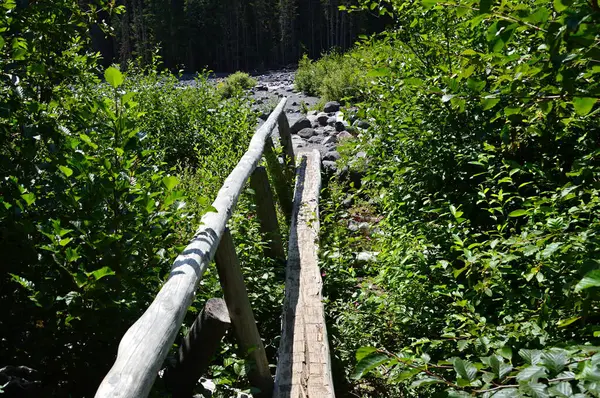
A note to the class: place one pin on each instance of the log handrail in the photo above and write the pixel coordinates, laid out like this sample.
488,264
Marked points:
145,345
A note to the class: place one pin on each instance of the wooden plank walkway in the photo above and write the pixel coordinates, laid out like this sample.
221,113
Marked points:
303,366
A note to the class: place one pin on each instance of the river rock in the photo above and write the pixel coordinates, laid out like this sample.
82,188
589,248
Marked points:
361,124
306,132
331,121
329,167
315,139
344,135
333,156
300,124
332,106
323,118
340,126
332,139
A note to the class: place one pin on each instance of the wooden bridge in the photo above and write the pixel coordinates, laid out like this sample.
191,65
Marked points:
303,368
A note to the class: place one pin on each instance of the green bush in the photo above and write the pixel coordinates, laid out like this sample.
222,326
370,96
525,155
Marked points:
485,168
235,84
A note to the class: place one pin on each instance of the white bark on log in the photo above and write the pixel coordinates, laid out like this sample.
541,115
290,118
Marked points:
147,342
304,364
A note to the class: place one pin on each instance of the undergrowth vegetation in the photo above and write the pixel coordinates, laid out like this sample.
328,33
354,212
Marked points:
483,164
104,176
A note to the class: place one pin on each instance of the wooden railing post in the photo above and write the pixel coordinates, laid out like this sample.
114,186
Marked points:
286,142
267,215
283,186
242,317
198,347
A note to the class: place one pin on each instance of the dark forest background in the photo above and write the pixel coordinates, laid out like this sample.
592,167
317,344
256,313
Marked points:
229,35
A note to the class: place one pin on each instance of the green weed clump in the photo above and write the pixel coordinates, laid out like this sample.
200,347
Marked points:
236,84
333,77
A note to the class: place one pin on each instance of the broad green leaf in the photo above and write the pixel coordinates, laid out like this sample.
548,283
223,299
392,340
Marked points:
535,390
551,249
532,357
170,182
591,279
475,85
113,76
29,198
506,353
101,273
1,42
506,393
531,373
517,213
378,72
465,369
498,366
583,105
489,103
367,364
363,352
566,322
555,360
66,171
561,390
561,5
425,381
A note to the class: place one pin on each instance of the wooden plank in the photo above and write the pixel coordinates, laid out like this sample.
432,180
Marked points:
267,215
145,345
304,364
198,347
286,142
242,317
280,180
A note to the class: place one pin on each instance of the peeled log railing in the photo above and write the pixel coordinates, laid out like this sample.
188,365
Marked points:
146,344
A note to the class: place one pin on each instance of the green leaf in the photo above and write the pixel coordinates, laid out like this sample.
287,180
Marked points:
66,171
113,76
29,198
562,390
363,352
506,393
583,105
475,85
1,42
532,357
551,249
561,5
369,363
591,279
517,213
535,390
566,322
101,273
170,182
506,353
447,97
425,381
531,373
379,72
465,369
489,103
498,366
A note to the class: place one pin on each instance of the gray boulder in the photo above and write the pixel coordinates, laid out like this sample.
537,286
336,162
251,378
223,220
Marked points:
315,139
300,124
333,156
339,126
344,135
332,106
323,119
332,139
329,167
306,133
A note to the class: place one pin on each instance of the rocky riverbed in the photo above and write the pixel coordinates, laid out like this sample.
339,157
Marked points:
321,129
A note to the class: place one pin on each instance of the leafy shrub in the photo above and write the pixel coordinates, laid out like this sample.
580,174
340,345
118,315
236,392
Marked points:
235,84
333,77
485,140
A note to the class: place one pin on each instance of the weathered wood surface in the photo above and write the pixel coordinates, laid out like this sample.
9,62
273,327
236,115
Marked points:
304,365
281,180
267,214
146,344
198,348
286,142
242,317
